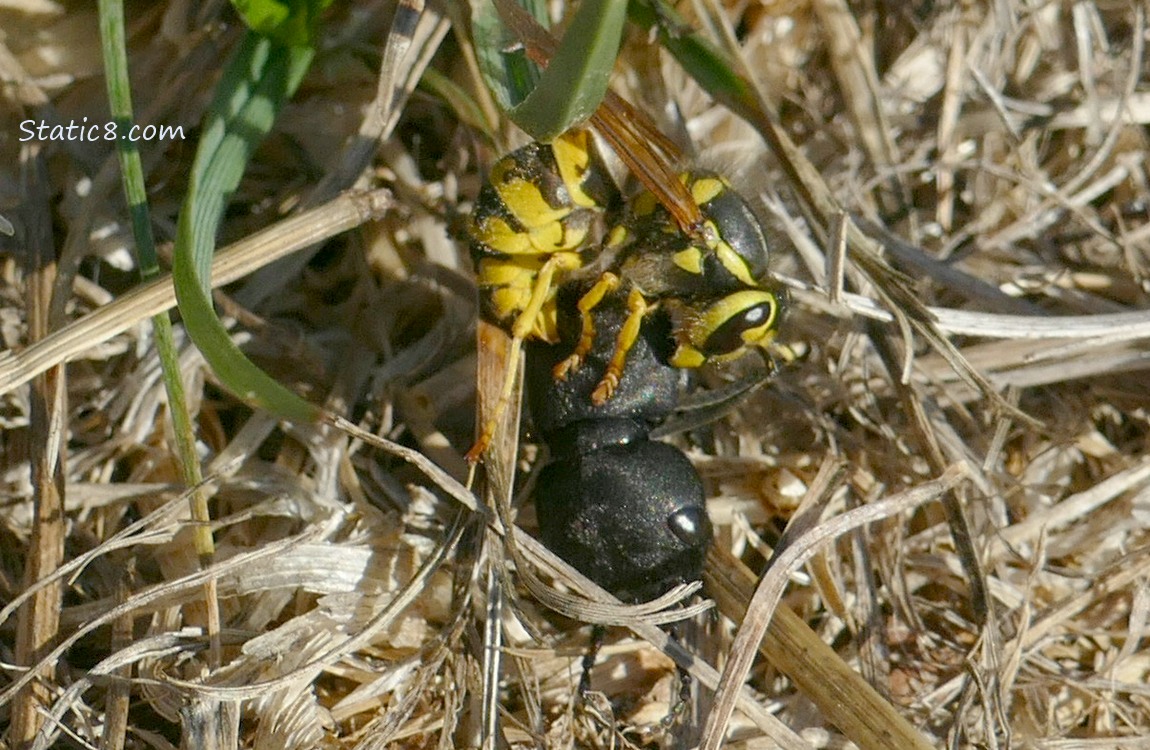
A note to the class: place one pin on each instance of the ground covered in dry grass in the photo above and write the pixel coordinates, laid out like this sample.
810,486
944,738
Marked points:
991,334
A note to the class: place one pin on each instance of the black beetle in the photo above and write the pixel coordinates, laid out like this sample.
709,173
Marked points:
626,511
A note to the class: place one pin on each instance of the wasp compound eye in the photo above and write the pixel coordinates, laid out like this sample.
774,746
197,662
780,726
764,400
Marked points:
727,328
630,517
740,229
745,327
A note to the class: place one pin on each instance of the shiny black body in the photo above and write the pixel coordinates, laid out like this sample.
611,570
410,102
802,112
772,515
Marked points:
626,511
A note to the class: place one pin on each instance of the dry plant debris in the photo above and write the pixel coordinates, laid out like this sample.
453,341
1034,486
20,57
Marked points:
996,152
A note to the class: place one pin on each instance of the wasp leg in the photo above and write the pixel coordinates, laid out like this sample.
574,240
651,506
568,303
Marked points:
520,330
606,284
637,308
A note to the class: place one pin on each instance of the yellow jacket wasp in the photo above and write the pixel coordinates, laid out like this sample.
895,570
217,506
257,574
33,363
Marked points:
700,260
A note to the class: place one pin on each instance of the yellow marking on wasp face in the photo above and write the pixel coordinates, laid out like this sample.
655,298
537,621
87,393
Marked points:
735,303
687,356
690,260
706,323
705,189
734,263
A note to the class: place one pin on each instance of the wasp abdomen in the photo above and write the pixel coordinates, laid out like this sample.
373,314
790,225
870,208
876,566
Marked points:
532,223
541,198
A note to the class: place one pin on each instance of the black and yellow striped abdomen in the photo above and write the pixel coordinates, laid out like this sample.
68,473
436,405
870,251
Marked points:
532,223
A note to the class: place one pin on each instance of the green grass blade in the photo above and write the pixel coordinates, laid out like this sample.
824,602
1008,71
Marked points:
258,81
575,80
120,103
574,83
714,70
507,71
291,22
